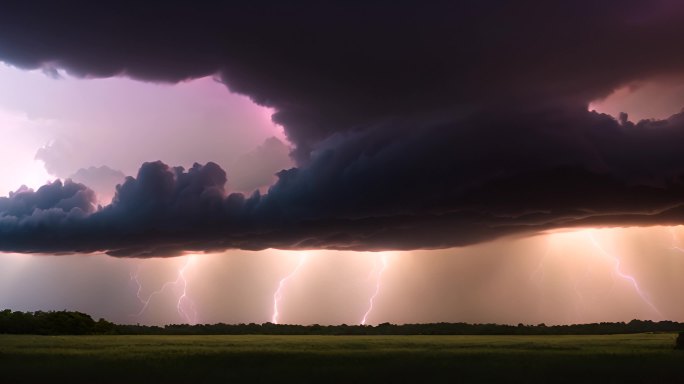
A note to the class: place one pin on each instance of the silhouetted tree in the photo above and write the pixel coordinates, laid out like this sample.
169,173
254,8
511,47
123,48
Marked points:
64,323
104,327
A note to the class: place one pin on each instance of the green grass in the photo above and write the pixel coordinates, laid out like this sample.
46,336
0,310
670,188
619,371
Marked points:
640,358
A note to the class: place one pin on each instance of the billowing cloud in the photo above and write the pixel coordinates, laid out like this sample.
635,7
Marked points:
424,126
389,188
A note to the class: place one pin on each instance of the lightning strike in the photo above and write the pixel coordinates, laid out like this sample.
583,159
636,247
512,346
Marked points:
618,271
378,279
278,295
190,313
675,241
184,306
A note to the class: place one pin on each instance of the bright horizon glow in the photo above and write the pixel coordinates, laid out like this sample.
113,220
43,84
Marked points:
655,99
557,278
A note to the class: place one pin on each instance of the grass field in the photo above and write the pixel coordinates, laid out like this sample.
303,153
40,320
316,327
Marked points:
647,358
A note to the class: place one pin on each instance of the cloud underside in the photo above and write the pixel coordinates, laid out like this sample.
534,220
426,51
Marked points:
415,126
387,188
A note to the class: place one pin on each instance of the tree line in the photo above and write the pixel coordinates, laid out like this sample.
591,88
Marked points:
77,323
52,323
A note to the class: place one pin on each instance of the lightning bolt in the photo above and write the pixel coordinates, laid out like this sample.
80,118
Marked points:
278,295
184,306
189,314
378,278
618,271
675,241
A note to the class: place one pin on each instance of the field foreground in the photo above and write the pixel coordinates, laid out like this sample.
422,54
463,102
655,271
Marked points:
636,358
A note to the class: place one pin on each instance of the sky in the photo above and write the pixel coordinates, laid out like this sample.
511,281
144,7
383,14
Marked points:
438,162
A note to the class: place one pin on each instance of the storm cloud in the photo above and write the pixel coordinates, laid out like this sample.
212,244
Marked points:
441,186
424,125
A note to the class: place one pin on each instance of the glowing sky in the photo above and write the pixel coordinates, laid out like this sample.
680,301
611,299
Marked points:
476,171
556,279
70,123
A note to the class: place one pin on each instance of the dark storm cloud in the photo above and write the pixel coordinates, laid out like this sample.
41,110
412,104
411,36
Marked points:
331,66
393,187
66,197
422,125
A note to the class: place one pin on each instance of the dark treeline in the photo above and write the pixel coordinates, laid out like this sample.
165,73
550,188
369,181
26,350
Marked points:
634,326
52,323
77,323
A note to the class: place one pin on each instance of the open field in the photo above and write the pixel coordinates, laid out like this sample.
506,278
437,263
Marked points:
633,358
